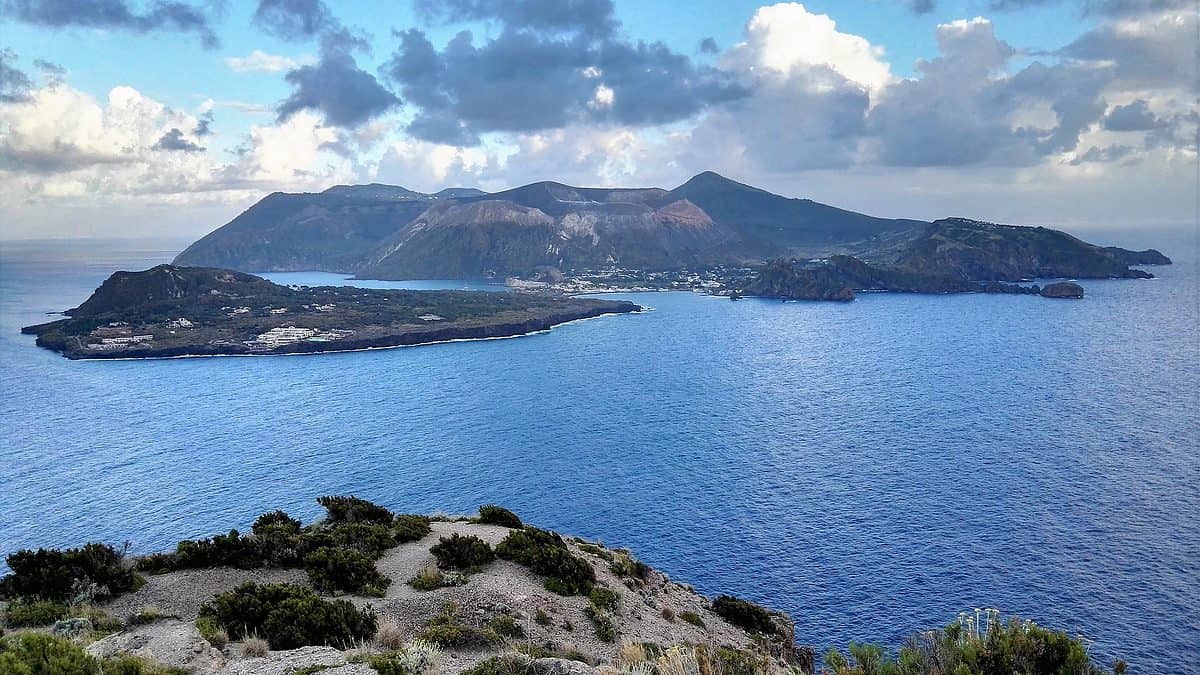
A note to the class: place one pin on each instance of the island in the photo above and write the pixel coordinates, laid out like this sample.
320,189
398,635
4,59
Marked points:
172,311
367,591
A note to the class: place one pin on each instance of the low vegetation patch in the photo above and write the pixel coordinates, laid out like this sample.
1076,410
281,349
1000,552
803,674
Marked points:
289,616
490,514
445,630
623,564
431,578
1012,646
506,627
604,598
692,618
603,622
746,615
344,570
547,554
462,552
508,664
95,570
40,654
410,528
210,629
416,658
20,613
351,509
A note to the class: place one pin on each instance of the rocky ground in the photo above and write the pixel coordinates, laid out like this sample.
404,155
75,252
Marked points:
649,611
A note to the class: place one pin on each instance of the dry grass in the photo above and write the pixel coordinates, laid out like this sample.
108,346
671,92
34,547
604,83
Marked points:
668,614
388,635
255,647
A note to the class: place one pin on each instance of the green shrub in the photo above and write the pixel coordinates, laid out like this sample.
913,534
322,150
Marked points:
222,550
351,509
490,514
509,664
289,616
596,551
457,635
410,528
603,622
541,618
372,539
623,564
745,615
210,629
1008,647
41,654
604,598
462,552
33,613
506,626
345,570
416,658
58,574
546,553
38,654
275,521
692,618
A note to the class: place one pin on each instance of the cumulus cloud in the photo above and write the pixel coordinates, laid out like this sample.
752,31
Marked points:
1135,116
294,19
14,83
335,86
771,42
259,61
1146,52
592,18
709,46
1099,7
565,68
174,140
158,15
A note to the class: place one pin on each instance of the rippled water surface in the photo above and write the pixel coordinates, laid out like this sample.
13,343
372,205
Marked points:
873,468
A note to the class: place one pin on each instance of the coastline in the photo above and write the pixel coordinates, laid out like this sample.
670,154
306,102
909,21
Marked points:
539,331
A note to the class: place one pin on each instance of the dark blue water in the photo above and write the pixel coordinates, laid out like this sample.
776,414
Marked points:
873,468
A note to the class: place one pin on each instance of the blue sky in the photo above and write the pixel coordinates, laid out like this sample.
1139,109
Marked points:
1019,102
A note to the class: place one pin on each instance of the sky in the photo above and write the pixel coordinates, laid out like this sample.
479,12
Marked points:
169,117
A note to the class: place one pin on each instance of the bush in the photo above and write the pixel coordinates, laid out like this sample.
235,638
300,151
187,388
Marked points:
351,509
745,615
33,613
255,647
541,618
344,570
210,629
275,522
416,658
222,550
506,626
289,616
669,614
457,635
604,598
410,528
692,618
547,554
462,552
54,574
373,539
603,622
37,653
509,664
41,654
490,514
625,565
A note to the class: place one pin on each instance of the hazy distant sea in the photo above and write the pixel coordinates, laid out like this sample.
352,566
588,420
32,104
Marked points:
873,468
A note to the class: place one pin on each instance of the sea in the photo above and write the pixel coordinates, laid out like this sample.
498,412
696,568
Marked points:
873,468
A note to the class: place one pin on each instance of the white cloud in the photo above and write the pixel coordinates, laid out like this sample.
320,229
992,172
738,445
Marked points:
602,98
787,36
259,61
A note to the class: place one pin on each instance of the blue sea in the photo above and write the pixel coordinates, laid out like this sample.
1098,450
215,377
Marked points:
873,468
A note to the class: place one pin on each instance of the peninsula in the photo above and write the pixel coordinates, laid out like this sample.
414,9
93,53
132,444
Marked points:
365,591
170,311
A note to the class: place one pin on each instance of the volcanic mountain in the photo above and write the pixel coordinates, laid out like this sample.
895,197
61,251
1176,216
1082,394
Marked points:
388,232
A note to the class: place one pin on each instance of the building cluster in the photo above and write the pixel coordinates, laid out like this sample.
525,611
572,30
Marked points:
119,342
284,335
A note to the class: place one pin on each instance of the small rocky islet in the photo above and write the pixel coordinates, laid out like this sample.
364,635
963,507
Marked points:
366,591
